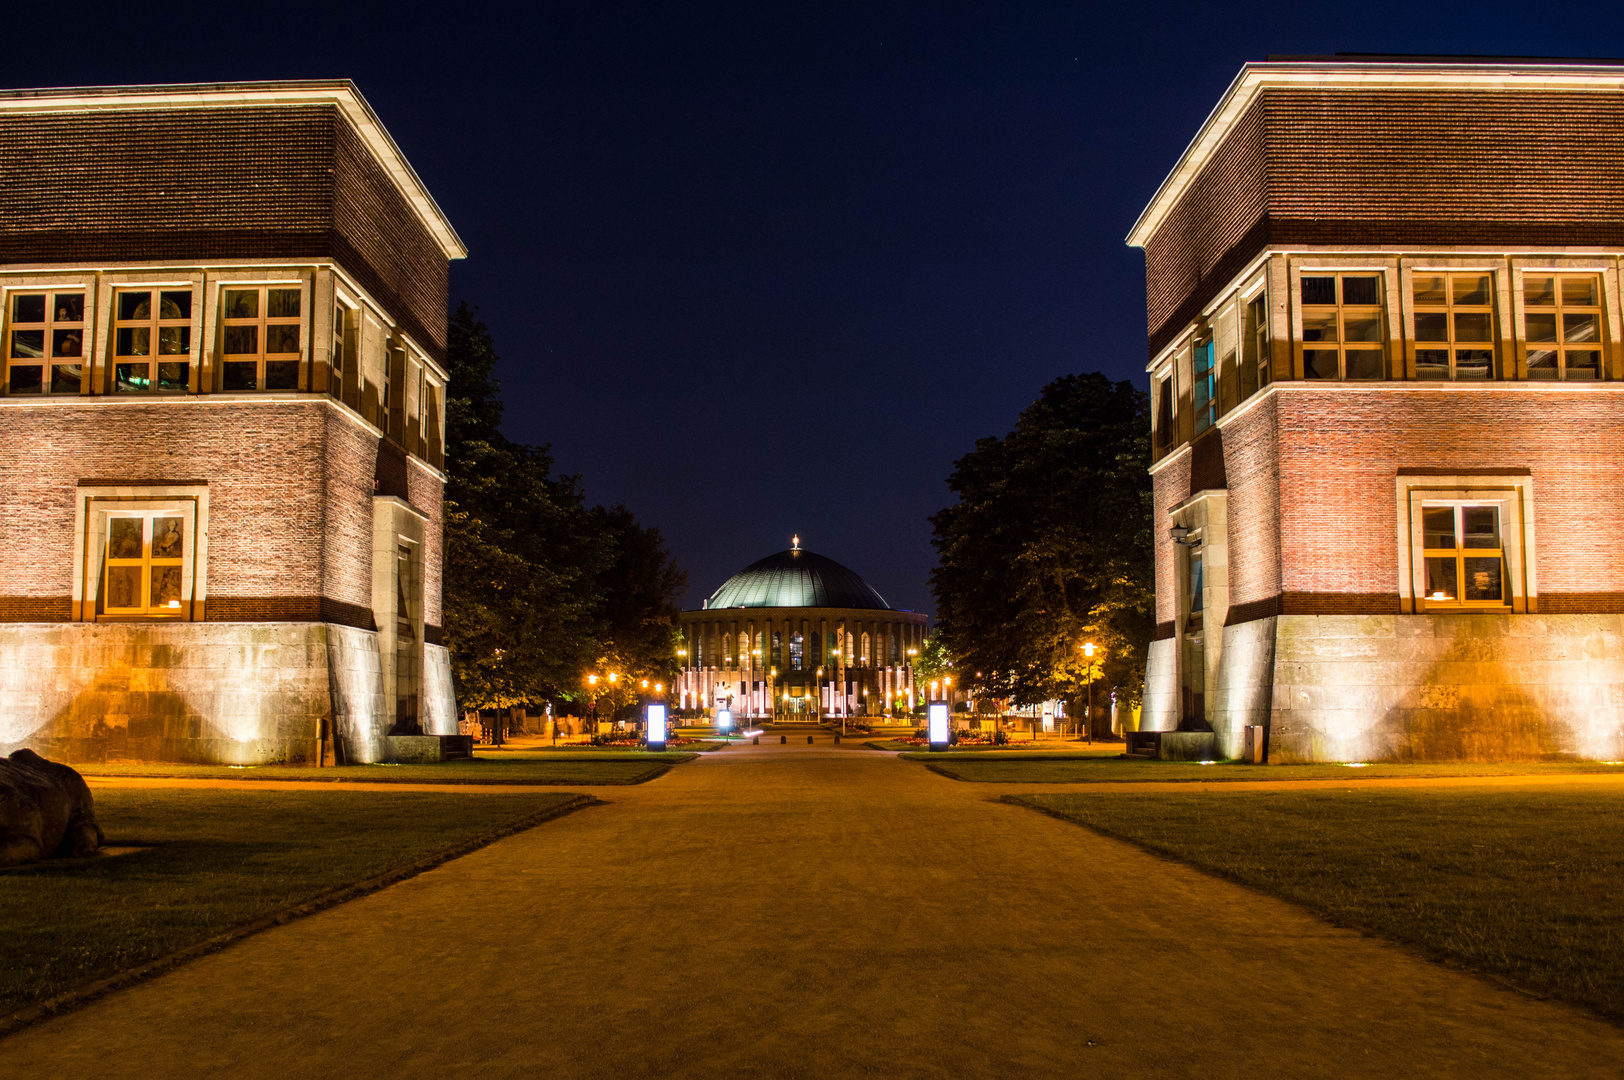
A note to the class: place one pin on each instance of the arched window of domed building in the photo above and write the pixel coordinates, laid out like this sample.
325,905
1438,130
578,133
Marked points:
797,658
744,649
727,650
778,650
817,650
863,657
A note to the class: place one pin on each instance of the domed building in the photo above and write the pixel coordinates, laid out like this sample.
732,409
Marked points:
798,636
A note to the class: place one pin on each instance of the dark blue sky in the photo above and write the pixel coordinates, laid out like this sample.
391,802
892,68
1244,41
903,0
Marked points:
772,268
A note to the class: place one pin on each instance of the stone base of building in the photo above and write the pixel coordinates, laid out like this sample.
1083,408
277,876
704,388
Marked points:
208,693
1456,687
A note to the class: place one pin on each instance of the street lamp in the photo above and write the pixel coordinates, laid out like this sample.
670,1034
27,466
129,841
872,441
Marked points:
1088,717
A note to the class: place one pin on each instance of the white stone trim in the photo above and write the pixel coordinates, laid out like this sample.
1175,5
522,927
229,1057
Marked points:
1513,493
90,508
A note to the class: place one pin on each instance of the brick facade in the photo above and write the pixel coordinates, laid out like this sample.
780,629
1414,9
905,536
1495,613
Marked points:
1302,503
299,500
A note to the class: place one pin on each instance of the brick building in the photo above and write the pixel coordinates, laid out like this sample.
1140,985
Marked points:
224,338
1383,301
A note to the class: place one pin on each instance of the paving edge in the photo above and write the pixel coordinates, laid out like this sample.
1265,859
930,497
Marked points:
80,996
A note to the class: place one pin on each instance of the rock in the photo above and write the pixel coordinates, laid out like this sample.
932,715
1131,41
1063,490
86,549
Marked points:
45,810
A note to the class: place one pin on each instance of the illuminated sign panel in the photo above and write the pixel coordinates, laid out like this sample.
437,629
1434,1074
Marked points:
724,720
656,725
938,724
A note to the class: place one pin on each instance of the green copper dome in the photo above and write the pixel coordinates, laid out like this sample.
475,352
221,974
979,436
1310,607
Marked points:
796,578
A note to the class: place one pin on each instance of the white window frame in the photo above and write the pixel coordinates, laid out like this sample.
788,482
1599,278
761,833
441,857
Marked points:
1512,493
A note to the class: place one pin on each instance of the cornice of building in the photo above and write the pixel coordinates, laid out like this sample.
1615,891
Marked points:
341,93
1463,73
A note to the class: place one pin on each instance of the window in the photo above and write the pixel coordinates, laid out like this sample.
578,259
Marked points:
744,649
1196,605
152,340
727,650
335,381
1342,327
1562,324
1164,412
797,655
46,343
1454,326
863,655
422,411
1465,561
261,339
1204,387
1255,373
145,563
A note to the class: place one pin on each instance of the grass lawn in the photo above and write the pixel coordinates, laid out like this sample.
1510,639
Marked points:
515,767
1109,767
217,859
1523,884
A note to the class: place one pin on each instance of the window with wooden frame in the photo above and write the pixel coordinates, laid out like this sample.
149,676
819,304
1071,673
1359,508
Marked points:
1454,326
1342,327
1257,338
1164,411
260,338
1562,326
341,321
144,568
152,340
45,342
1204,396
1465,559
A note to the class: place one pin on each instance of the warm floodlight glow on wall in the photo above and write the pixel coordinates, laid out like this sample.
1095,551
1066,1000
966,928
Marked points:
656,727
938,725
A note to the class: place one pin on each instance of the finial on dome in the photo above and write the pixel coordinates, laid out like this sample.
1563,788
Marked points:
795,542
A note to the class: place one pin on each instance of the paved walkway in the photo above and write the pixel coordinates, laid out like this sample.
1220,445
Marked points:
795,911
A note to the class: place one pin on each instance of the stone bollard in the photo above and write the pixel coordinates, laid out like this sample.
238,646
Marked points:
782,739
809,740
756,741
837,740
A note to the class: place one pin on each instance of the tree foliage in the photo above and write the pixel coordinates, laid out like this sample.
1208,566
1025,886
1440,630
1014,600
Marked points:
1049,547
537,586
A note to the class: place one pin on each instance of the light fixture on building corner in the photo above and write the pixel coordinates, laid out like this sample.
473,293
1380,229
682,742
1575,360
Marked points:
1180,535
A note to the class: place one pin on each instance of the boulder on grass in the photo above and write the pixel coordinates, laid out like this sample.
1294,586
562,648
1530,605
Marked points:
45,810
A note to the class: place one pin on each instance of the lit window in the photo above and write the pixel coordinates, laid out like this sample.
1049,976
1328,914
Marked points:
261,339
797,654
1195,603
152,340
864,654
1342,327
1454,327
1203,385
46,343
727,650
1562,324
145,563
1465,560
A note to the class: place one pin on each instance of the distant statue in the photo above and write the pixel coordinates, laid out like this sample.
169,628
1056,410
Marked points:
45,810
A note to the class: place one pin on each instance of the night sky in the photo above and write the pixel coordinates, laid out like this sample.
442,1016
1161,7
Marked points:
772,268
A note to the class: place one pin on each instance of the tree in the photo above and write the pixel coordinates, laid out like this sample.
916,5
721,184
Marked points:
1048,547
934,661
522,555
640,586
539,589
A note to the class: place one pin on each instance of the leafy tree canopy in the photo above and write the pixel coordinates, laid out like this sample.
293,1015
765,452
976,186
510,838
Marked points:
1048,547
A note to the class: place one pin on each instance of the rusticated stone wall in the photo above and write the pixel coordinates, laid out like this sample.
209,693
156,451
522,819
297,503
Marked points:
234,694
1426,687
